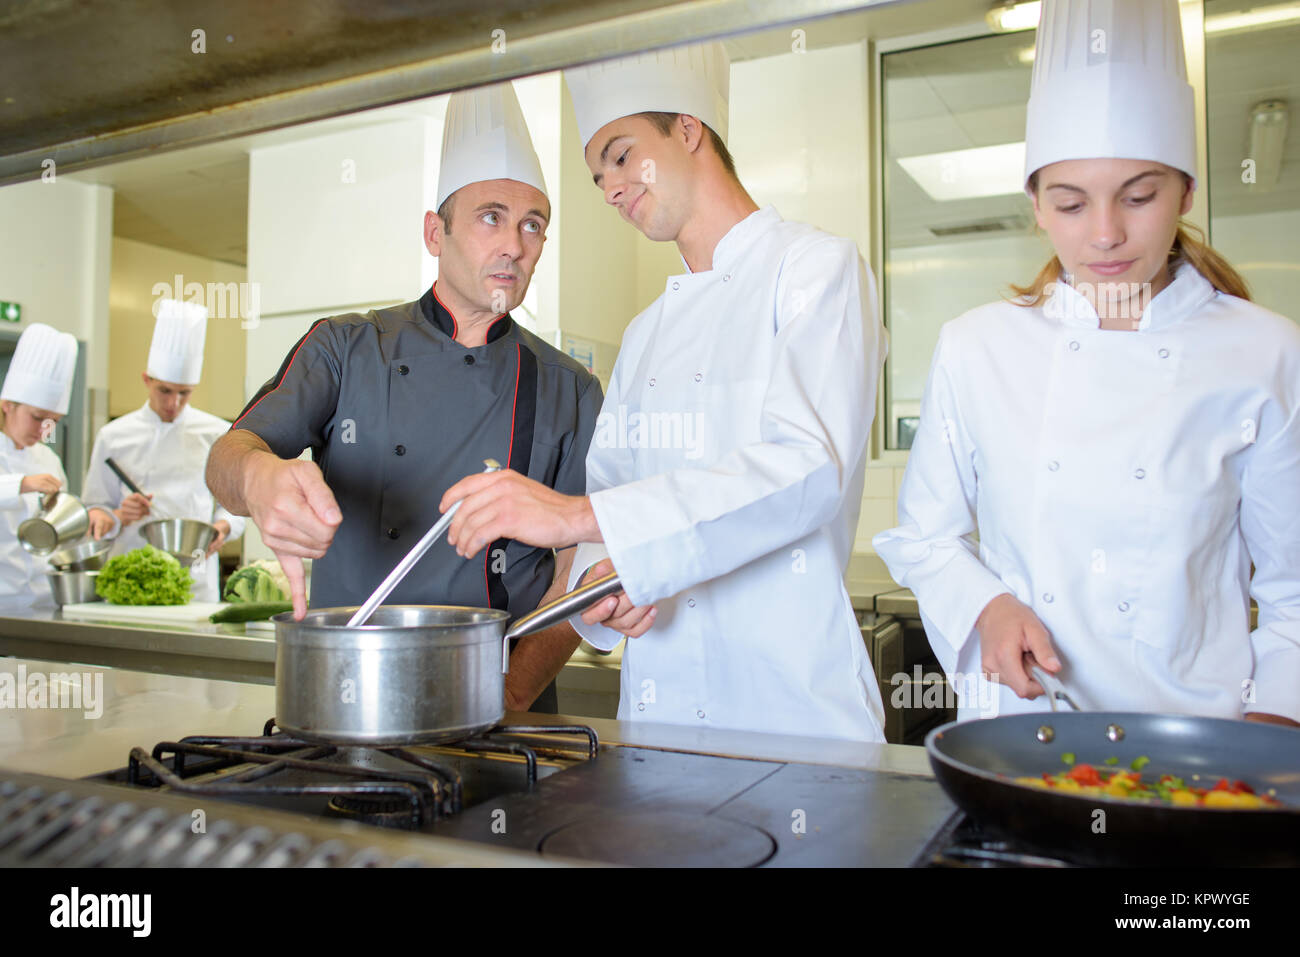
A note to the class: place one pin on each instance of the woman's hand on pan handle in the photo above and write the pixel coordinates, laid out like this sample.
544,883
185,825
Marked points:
1263,717
1008,630
616,612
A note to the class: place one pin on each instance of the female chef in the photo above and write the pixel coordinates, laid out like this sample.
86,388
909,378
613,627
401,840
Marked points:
1124,436
34,397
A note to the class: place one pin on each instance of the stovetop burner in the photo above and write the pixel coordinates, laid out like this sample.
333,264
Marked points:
662,840
407,787
963,842
380,811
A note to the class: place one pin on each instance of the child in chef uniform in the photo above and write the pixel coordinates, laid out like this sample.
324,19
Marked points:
1124,435
34,398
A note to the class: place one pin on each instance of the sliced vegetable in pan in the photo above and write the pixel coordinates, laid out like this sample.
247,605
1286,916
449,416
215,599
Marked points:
1085,779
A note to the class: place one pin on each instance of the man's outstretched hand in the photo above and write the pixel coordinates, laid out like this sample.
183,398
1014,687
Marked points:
296,513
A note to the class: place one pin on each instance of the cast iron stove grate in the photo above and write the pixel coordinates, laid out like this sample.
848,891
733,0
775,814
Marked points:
416,792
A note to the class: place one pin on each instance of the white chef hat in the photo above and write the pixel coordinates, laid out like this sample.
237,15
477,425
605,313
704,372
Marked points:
484,137
1110,81
694,79
40,372
176,352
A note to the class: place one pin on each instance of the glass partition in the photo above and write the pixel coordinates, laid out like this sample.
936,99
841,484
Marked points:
957,224
1252,85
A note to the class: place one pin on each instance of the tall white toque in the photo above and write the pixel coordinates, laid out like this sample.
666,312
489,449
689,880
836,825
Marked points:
694,79
1110,81
484,137
40,373
176,352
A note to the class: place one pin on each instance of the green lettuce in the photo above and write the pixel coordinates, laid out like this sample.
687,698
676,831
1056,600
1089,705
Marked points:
145,576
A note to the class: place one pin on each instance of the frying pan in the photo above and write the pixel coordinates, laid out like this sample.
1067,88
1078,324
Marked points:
976,763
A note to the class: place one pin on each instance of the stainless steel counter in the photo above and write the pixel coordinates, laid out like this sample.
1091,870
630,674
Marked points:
231,651
900,603
143,709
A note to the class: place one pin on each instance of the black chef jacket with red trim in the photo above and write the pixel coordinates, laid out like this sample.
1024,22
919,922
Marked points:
395,412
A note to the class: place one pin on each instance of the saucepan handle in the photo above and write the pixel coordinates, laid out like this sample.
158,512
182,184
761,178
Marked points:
1055,690
578,600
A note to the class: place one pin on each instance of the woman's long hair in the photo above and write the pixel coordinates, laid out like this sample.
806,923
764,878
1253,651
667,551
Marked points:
1189,246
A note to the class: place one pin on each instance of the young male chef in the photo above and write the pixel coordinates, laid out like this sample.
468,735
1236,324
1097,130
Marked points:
400,402
163,447
35,396
770,343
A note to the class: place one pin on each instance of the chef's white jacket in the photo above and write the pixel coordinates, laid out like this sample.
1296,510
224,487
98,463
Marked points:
167,459
726,477
1121,482
21,573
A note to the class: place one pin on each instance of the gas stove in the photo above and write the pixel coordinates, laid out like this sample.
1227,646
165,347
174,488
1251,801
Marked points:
556,793
410,788
963,842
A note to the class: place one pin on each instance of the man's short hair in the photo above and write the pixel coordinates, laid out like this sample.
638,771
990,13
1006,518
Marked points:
663,122
444,213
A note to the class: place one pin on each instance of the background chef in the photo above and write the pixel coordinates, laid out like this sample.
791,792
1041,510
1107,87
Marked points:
399,403
1125,435
34,397
163,447
770,341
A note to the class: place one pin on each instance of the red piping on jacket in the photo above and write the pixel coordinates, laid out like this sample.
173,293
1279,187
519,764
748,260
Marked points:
294,358
455,326
510,451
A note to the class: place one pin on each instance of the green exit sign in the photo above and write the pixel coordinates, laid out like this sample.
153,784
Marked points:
11,311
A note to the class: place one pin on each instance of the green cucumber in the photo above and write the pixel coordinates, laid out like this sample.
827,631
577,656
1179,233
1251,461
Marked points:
250,611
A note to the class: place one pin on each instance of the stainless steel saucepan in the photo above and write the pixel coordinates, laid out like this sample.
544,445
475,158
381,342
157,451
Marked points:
413,674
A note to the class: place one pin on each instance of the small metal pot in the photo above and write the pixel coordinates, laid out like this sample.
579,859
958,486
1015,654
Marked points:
61,521
73,588
413,674
85,557
179,537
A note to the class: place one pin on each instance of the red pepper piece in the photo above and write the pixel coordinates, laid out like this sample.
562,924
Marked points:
1085,774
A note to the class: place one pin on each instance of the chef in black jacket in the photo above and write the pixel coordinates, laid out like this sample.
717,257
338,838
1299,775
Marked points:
398,404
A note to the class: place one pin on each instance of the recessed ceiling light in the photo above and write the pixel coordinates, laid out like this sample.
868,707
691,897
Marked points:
1010,17
970,173
1253,18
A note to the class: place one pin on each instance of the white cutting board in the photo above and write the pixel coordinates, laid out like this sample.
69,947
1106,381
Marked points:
195,611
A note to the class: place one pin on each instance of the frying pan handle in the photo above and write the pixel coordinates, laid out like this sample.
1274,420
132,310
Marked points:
1055,690
580,599
123,476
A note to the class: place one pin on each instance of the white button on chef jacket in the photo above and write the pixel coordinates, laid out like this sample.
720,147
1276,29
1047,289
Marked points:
167,459
21,573
765,366
1179,454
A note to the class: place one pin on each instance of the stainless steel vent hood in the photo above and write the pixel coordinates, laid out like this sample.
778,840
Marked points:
98,80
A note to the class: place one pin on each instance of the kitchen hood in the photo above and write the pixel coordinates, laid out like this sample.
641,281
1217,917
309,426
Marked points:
95,81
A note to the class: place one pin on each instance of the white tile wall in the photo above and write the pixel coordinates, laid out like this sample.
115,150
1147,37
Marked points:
879,505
